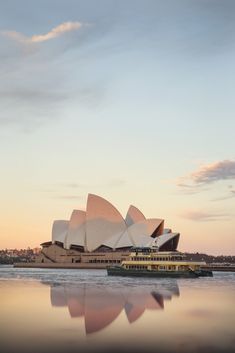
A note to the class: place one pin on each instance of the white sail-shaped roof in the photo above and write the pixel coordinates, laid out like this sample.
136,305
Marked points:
146,227
102,221
125,241
59,231
140,240
134,215
163,239
102,225
112,242
76,229
138,234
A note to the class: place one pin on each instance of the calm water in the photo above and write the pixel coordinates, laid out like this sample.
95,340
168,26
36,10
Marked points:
84,310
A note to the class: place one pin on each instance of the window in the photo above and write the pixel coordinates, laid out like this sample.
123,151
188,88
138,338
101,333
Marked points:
162,267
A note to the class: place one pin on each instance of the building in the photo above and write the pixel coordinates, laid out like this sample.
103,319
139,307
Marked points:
100,235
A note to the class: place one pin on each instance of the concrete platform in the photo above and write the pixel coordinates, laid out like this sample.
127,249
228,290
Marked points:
60,265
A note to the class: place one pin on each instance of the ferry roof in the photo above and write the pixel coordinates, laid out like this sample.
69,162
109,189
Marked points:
153,250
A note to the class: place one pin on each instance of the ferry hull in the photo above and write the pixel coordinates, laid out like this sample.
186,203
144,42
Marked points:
118,271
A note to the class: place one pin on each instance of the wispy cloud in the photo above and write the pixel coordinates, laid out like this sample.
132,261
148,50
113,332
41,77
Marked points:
208,174
200,216
37,38
37,81
222,170
229,195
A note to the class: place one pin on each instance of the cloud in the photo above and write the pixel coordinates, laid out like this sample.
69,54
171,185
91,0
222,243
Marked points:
223,170
57,31
230,195
209,173
42,78
200,216
54,33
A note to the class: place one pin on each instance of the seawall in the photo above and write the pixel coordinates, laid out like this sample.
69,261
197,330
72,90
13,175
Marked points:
60,265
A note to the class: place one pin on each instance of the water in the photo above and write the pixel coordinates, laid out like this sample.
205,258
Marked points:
85,310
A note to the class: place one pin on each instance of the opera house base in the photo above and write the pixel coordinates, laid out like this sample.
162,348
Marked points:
55,256
57,265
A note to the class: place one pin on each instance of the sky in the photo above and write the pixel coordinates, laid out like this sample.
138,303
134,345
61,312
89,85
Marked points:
132,100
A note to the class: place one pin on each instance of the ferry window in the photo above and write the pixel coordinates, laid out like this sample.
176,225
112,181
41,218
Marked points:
161,267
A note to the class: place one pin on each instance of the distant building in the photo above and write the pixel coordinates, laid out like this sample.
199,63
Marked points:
100,234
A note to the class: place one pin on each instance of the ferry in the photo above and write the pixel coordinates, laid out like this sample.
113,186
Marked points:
149,262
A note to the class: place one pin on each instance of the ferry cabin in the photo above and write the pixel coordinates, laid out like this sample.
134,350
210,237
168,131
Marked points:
159,261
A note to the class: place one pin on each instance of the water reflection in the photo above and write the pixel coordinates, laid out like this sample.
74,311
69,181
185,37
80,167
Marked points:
101,305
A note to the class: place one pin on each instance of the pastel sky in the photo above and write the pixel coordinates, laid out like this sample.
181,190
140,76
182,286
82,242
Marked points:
132,100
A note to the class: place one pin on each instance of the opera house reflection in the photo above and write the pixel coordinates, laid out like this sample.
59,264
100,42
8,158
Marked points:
101,305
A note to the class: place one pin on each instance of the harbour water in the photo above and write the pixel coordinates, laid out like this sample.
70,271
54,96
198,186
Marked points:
85,310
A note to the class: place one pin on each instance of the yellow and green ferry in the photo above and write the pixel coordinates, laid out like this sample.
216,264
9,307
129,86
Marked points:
149,262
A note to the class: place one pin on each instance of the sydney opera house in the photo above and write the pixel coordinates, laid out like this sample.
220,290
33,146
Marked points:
100,235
